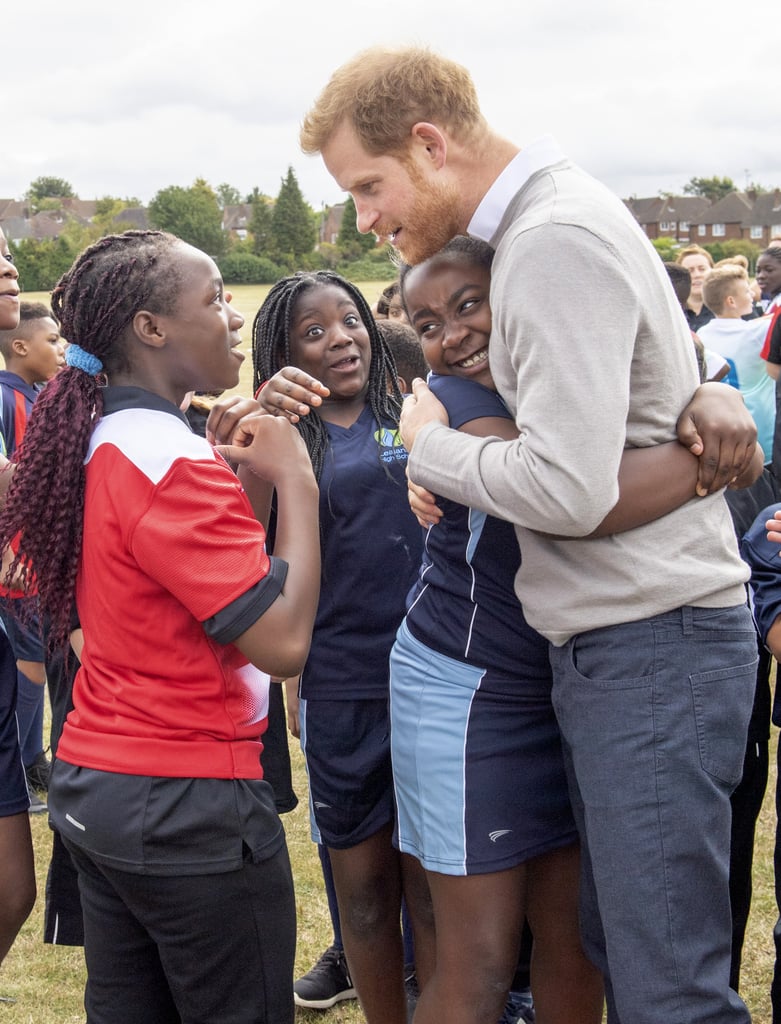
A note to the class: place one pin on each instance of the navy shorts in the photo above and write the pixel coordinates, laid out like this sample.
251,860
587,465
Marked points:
25,636
14,798
346,744
478,768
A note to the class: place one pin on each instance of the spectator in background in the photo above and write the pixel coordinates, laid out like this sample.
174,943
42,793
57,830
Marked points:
769,277
698,262
389,304
17,869
33,353
407,352
726,291
711,365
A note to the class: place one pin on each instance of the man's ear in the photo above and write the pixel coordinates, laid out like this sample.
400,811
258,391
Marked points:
431,139
148,329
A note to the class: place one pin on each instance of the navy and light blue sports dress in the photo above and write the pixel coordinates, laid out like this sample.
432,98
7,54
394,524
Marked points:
478,770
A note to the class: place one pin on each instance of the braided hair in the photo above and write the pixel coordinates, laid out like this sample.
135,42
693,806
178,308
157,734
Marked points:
271,351
94,302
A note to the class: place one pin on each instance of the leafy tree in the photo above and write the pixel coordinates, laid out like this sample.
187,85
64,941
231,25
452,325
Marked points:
292,223
227,195
247,268
107,210
260,225
350,240
666,247
734,247
42,262
47,187
711,188
192,214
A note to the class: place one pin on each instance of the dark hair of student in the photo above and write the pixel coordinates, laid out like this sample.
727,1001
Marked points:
405,346
468,250
33,311
94,301
681,280
271,351
384,301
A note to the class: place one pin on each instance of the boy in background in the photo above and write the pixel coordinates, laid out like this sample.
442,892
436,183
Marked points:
33,353
727,293
711,365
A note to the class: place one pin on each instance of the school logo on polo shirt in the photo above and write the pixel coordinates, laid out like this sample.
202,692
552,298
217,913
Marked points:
391,446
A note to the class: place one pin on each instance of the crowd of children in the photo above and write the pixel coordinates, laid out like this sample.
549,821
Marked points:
413,678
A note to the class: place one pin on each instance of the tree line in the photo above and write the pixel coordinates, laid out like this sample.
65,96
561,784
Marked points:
282,233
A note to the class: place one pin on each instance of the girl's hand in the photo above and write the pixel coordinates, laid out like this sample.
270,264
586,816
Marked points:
291,393
423,504
225,415
773,527
270,447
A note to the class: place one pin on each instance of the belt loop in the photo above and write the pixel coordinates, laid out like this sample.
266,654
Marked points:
687,620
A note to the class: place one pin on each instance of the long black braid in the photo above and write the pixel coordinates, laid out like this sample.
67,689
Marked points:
94,302
271,351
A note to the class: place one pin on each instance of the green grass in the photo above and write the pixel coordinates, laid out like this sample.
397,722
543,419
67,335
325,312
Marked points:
47,981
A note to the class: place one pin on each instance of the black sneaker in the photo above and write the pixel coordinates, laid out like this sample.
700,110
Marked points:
327,982
38,773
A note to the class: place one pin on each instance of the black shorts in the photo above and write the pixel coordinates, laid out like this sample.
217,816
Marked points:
348,760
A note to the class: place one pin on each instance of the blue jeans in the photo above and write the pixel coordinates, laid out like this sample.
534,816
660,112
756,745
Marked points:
654,716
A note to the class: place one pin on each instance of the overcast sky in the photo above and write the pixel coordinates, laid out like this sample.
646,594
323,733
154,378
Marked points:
127,98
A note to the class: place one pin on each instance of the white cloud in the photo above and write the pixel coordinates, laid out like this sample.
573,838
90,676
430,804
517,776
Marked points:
126,100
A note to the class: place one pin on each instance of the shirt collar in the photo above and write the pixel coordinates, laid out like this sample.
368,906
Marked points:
119,397
540,153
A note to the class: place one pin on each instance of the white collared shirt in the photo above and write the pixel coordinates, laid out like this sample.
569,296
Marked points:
540,153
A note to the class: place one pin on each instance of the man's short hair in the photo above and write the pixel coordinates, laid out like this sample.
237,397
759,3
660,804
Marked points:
29,312
383,92
720,283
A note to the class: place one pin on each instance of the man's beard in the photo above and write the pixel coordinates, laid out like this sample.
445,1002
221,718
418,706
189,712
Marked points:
432,221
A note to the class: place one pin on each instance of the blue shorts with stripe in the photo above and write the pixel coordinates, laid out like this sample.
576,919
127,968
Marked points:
478,771
346,746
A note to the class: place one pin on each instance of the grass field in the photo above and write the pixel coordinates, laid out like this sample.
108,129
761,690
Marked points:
247,298
47,981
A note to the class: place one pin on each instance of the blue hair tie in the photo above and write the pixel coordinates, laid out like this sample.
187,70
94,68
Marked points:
76,356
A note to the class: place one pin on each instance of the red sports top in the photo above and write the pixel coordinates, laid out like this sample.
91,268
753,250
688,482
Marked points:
173,557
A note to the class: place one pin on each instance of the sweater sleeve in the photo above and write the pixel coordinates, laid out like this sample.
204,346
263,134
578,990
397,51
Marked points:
563,362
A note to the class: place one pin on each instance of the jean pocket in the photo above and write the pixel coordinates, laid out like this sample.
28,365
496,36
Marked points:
723,699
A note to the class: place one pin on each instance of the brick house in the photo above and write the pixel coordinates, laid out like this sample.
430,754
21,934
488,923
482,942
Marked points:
747,216
668,216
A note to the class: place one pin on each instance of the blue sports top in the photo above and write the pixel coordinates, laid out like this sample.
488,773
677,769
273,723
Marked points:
371,549
463,603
